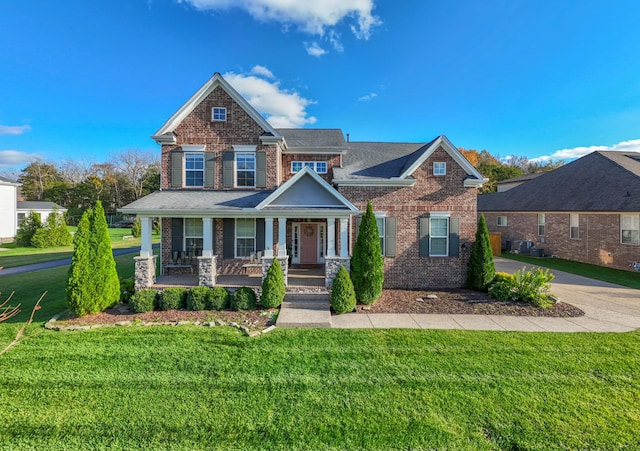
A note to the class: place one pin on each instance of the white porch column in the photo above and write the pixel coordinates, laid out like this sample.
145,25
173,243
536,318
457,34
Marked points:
207,237
331,237
146,250
344,237
268,237
282,237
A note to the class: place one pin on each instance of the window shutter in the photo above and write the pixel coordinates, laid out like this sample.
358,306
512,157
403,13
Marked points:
390,237
227,169
260,235
209,169
213,236
454,237
358,222
176,234
176,169
261,170
228,237
424,237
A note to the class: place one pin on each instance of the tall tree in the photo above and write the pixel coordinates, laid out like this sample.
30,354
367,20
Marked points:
367,264
134,164
36,178
481,269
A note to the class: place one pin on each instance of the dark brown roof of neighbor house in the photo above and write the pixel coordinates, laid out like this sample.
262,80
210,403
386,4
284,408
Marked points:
598,182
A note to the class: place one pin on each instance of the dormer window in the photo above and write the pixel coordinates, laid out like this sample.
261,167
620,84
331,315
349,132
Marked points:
319,166
218,114
439,168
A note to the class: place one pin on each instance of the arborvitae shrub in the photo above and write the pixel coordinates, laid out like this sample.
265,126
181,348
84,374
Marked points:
481,269
197,298
136,228
343,296
172,298
143,301
218,299
30,224
80,291
273,289
243,298
367,264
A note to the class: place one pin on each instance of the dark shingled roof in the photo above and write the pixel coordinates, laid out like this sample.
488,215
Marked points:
4,179
37,205
522,178
197,201
313,137
599,181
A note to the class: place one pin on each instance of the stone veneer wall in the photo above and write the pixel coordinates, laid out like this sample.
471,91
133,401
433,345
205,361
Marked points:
332,266
207,271
145,272
284,262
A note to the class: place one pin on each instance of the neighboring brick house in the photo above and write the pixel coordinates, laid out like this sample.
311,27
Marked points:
587,210
234,188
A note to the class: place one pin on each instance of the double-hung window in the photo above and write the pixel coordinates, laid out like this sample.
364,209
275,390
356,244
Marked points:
380,222
630,229
438,236
193,236
245,169
574,226
194,169
541,224
245,237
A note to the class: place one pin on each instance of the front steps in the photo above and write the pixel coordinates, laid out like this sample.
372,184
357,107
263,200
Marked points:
305,310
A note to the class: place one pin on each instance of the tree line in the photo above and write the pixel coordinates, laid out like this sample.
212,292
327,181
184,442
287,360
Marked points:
77,185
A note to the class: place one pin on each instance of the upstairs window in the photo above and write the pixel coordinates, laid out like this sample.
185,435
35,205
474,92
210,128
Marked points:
194,169
218,114
541,224
630,229
439,168
502,221
574,226
245,169
319,166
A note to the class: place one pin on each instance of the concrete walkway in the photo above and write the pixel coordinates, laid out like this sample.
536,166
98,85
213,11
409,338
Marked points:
608,308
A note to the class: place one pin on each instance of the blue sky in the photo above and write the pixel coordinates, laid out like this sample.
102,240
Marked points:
86,80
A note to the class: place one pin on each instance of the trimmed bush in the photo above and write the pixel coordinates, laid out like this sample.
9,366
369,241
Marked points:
343,296
54,233
30,225
143,301
127,288
503,290
172,298
273,289
531,287
481,269
367,264
218,299
243,298
197,298
503,277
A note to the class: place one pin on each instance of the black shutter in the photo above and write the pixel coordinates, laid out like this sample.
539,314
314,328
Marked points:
261,170
176,234
260,235
213,236
176,169
390,237
228,237
454,237
209,169
424,237
227,169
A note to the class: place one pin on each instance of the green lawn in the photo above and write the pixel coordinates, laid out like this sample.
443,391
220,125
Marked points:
627,278
200,388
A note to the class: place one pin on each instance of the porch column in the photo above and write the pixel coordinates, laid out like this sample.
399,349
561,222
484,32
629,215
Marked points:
268,237
207,237
344,237
331,237
146,250
282,237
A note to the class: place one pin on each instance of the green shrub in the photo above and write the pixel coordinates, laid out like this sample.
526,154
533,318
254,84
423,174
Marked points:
127,288
273,289
172,298
343,296
503,277
143,301
502,290
481,269
30,224
218,299
243,298
136,228
197,298
531,287
367,264
54,233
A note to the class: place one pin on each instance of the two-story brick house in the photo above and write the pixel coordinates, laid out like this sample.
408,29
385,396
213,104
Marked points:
233,188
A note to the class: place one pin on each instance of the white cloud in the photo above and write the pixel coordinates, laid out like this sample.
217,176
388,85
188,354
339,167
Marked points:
367,97
311,16
10,158
261,70
577,152
334,38
314,49
14,129
281,107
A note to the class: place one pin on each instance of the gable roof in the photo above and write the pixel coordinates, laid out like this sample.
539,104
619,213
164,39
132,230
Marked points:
38,205
165,133
313,139
6,181
598,182
395,163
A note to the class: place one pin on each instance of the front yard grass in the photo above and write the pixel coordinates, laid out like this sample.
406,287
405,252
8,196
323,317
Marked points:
629,279
200,388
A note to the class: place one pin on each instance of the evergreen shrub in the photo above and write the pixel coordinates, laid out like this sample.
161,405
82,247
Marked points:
30,224
343,296
367,264
218,299
136,228
143,301
127,288
481,269
273,288
244,298
173,298
197,298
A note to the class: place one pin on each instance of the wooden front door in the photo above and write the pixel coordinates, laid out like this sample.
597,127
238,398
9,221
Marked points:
309,243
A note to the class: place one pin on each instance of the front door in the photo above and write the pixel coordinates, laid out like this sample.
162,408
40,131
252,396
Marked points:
309,243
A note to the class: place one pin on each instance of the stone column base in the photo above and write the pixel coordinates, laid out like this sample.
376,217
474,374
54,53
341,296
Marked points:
207,270
332,266
284,262
145,272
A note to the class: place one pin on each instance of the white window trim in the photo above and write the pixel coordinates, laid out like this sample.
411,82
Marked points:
573,226
312,164
383,235
637,223
235,238
542,224
505,221
446,216
243,150
213,115
198,150
442,168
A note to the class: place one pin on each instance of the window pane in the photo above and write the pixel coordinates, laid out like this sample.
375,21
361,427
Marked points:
438,246
439,227
245,228
245,169
194,169
321,167
244,247
296,166
193,227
